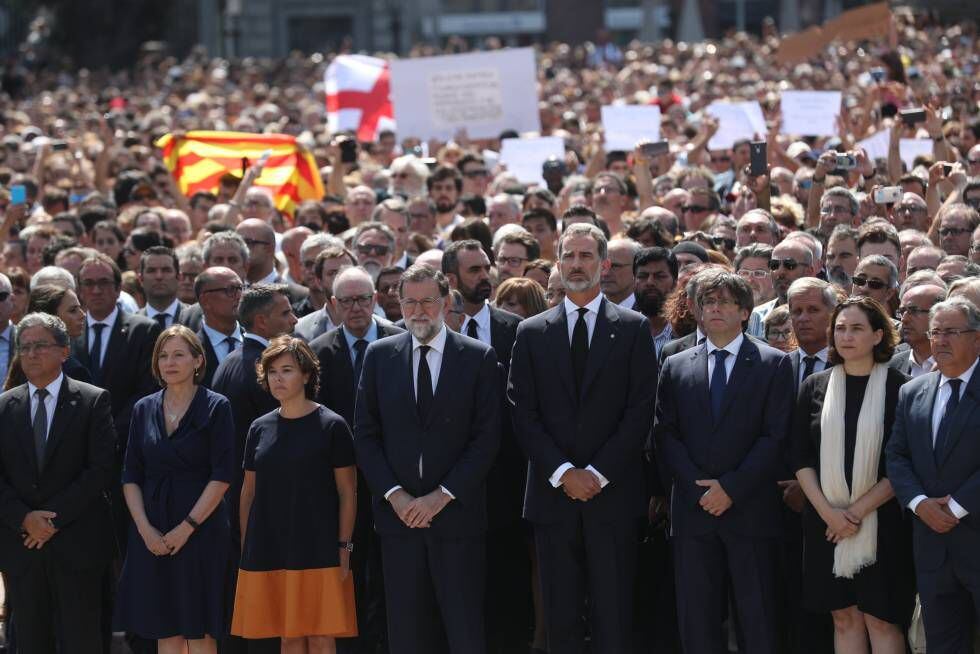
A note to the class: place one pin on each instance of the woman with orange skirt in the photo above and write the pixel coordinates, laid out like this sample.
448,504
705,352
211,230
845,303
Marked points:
294,579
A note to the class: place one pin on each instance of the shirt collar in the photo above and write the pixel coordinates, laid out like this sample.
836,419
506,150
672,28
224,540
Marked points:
927,364
732,348
571,308
217,337
821,355
170,311
482,317
53,388
965,377
8,332
370,335
262,340
109,320
271,278
438,343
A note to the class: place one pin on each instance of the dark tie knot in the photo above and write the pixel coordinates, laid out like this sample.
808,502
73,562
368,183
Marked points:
360,345
98,327
809,360
41,394
582,312
424,350
954,385
720,356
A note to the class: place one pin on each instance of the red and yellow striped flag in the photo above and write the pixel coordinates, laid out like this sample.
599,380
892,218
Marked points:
200,158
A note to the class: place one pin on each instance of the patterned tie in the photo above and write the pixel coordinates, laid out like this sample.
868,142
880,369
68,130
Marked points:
40,426
809,363
95,354
719,380
423,384
471,327
942,434
580,348
359,346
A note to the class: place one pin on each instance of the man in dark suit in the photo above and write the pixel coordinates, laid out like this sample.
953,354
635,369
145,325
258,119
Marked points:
933,460
218,292
426,430
341,355
913,311
582,382
328,264
261,241
158,274
220,250
115,347
467,267
723,412
57,454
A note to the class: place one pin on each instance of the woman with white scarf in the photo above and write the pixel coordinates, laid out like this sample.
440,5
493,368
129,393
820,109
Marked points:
857,560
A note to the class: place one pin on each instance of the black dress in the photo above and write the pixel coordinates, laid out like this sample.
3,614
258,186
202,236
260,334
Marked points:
290,583
185,594
885,589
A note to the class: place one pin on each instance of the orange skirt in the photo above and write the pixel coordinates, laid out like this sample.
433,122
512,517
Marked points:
294,603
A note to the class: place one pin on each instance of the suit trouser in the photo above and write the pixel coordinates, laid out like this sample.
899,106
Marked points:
54,607
801,631
369,590
703,566
950,597
508,604
581,561
428,577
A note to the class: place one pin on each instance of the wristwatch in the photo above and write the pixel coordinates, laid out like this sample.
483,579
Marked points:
346,545
195,525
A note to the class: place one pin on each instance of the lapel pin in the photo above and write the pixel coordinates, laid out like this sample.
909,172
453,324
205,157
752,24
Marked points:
612,336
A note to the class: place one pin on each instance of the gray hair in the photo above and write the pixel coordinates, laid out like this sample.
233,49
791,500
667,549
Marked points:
55,326
364,228
410,161
843,233
816,247
354,272
506,199
964,283
395,205
921,278
319,241
53,276
804,284
773,225
840,191
964,306
881,260
419,272
258,298
753,251
224,238
189,252
586,229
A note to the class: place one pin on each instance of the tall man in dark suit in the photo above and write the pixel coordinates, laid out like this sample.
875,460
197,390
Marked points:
115,347
582,382
933,460
57,452
426,430
341,355
723,413
467,268
158,273
218,292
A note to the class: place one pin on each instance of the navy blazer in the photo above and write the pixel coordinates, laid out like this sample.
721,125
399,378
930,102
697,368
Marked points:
743,448
604,425
914,469
457,441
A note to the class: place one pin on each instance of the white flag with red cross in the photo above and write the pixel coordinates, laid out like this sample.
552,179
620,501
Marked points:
358,97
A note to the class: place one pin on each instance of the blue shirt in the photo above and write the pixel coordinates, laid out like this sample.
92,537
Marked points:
370,336
6,340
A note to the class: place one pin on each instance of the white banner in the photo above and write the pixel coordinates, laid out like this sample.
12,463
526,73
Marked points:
737,121
810,113
625,125
524,157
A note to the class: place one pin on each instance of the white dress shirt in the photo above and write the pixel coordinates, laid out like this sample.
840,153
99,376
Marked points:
170,312
916,369
218,344
109,321
938,409
629,302
732,348
571,315
49,402
434,358
819,365
482,320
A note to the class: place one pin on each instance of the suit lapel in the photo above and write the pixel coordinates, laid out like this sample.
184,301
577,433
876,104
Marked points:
698,361
22,417
603,338
556,335
115,345
968,403
450,359
794,359
922,414
748,355
403,352
64,412
343,352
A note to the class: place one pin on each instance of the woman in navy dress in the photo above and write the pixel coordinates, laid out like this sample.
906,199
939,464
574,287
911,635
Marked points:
179,462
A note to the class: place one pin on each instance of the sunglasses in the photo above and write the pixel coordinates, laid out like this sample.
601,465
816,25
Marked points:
788,264
954,231
377,250
874,284
4,295
721,241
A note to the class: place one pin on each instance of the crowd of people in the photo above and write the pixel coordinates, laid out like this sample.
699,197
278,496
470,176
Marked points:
662,402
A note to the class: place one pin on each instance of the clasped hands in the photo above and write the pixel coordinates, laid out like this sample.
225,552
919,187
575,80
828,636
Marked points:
580,484
935,512
418,512
842,524
714,500
166,544
38,528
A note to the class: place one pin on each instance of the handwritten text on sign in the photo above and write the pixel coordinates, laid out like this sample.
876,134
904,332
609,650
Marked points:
465,96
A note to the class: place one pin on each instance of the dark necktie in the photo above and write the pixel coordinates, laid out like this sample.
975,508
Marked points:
423,384
809,363
942,434
161,318
359,346
231,343
40,426
95,354
580,348
471,329
719,380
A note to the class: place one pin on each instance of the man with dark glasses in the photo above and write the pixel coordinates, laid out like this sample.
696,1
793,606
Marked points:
790,261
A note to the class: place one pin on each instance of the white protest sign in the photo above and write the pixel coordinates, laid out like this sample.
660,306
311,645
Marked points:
909,149
524,157
737,121
485,92
490,159
810,113
625,125
876,146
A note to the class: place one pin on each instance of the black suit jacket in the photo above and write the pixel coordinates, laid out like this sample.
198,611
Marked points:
605,425
743,448
902,362
678,345
126,371
235,379
914,469
181,311
211,357
191,317
78,470
457,440
337,384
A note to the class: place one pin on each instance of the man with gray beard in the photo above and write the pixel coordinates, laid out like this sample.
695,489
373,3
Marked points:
374,247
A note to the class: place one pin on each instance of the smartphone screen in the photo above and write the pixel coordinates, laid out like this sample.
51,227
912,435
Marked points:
18,194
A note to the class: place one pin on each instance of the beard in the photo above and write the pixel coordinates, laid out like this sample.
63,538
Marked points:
372,268
445,206
837,275
425,329
579,285
650,302
476,294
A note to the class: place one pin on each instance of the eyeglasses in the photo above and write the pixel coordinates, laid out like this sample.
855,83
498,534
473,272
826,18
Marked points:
251,242
875,284
417,215
27,349
788,264
779,334
511,261
378,250
4,295
472,174
954,231
835,210
102,284
912,311
947,333
901,211
251,204
409,304
693,208
721,241
229,291
187,276
721,159
387,289
359,300
721,302
758,274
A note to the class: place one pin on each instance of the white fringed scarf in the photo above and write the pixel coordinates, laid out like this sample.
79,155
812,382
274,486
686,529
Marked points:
860,550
